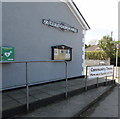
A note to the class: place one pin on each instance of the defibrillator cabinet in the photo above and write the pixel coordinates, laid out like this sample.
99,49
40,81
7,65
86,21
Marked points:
61,52
6,54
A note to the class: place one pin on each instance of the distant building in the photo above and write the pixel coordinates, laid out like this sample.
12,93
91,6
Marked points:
93,48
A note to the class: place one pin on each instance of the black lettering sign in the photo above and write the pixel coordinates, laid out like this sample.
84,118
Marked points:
61,26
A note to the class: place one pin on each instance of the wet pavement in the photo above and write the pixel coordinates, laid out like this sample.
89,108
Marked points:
106,107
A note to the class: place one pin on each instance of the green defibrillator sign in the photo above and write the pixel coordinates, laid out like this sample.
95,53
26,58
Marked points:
6,54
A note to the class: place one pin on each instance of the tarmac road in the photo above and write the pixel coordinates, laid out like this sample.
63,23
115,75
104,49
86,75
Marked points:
106,107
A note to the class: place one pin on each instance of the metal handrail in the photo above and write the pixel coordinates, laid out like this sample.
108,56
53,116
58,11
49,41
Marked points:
27,84
28,61
86,78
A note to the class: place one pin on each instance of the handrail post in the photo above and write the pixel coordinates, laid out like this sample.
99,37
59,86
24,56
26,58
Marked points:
113,75
106,80
116,63
86,79
97,82
66,81
27,88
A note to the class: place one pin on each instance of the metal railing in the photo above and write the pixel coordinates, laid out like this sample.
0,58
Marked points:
26,76
66,77
86,78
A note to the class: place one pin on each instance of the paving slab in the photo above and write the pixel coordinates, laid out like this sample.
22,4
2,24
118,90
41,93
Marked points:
69,107
46,93
42,96
10,104
23,100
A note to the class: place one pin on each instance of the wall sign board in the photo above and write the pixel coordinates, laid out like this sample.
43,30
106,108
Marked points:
61,25
61,52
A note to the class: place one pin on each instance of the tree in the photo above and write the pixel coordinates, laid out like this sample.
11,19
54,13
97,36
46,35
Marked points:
108,45
117,42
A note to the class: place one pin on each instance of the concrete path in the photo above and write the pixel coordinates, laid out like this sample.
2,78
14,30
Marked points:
14,101
69,107
106,107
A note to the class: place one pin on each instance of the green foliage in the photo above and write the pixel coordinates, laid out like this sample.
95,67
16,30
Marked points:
119,54
117,42
109,50
96,55
107,45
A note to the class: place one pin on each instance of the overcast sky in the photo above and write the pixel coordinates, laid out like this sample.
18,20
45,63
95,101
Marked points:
102,17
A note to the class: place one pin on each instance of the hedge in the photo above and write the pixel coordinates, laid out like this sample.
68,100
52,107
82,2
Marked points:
95,55
113,59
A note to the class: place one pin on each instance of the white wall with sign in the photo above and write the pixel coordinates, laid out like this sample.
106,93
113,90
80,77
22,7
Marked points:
100,71
36,36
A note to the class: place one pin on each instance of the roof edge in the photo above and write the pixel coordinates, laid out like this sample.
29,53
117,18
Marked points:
74,9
